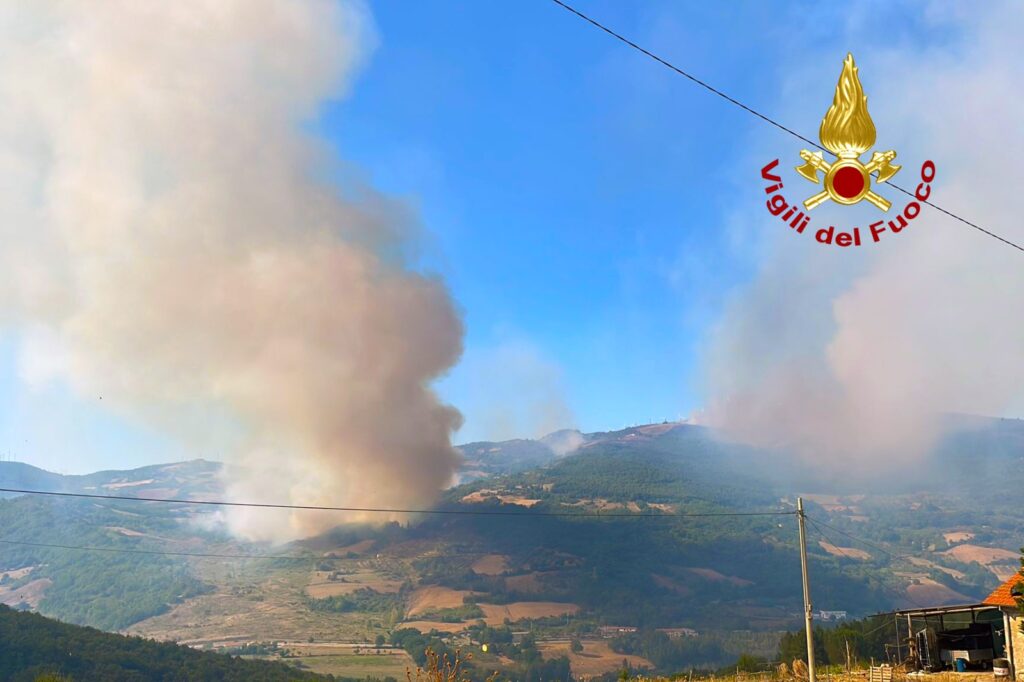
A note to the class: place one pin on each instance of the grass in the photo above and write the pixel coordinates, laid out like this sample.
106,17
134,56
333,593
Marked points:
356,665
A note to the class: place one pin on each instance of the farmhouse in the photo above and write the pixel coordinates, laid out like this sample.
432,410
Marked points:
1005,599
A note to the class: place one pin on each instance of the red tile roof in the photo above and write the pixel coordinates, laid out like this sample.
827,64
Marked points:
1003,595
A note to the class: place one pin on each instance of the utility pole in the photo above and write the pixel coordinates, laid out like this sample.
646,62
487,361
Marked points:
808,609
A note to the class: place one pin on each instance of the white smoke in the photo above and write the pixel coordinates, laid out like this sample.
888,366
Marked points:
170,244
513,390
849,356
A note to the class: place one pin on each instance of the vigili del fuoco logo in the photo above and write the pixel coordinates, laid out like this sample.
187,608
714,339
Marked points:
847,131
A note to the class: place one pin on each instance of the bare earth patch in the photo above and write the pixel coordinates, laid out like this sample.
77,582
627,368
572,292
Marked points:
958,536
596,658
930,592
670,584
504,498
496,614
360,547
321,586
127,484
924,563
428,625
17,573
30,593
981,555
714,576
492,564
847,552
434,597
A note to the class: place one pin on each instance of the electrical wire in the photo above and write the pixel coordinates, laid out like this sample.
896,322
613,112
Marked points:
867,543
204,555
852,537
763,117
385,510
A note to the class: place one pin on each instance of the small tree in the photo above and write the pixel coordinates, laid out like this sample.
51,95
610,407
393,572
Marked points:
576,646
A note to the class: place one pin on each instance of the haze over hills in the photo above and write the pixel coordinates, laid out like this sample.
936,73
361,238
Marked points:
947,538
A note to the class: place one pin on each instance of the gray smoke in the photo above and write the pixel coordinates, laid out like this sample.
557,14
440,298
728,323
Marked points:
849,356
170,243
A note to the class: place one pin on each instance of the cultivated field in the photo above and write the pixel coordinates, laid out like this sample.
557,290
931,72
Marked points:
321,585
492,564
434,597
596,658
981,555
342,660
30,593
928,591
847,552
496,614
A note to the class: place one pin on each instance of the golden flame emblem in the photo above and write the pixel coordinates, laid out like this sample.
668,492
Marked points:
848,131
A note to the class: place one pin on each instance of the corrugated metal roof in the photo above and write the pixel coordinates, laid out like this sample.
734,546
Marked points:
1003,595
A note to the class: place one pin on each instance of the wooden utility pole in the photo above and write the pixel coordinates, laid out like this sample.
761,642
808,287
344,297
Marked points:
808,609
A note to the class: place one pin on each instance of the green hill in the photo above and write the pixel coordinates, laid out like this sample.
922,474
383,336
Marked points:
941,533
32,646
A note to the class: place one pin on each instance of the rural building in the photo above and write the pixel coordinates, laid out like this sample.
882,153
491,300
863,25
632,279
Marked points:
612,631
973,635
678,633
832,615
1004,598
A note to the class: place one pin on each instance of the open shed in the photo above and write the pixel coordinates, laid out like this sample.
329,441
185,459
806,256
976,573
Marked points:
1004,598
937,637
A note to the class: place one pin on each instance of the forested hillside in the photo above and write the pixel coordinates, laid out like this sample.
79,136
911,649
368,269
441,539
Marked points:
634,556
32,646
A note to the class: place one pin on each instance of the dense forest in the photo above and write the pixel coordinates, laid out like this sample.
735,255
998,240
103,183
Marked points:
32,646
105,589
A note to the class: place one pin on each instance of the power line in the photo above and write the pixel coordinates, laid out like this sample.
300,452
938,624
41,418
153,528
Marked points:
763,117
867,543
153,551
385,510
862,541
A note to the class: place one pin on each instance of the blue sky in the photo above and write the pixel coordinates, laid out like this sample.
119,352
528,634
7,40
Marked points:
569,184
576,197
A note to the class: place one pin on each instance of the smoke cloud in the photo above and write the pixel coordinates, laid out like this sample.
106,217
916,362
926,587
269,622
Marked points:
513,390
170,244
850,357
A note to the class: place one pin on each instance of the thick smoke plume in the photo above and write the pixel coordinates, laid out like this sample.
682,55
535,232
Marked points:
852,357
170,244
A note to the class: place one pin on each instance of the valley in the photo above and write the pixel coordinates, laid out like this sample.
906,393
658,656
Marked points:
587,542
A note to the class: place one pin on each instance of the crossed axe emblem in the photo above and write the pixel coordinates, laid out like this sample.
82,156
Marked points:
847,180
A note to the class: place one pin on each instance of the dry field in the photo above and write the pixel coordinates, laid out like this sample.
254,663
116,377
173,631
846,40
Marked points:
17,573
320,586
670,584
981,555
30,593
596,658
847,552
930,592
360,547
924,563
504,498
253,603
954,537
428,625
435,597
492,564
714,576
496,614
342,660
